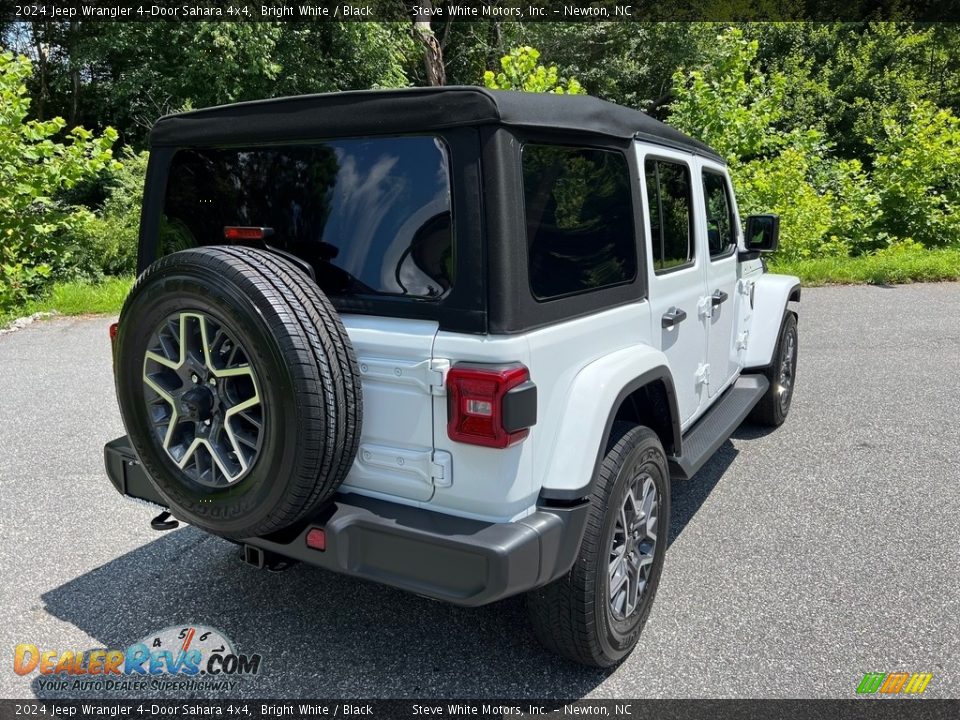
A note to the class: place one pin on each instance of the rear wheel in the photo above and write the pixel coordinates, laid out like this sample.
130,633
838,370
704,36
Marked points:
774,406
594,614
238,387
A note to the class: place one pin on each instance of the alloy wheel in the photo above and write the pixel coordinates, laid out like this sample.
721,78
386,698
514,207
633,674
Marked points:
632,546
203,399
787,369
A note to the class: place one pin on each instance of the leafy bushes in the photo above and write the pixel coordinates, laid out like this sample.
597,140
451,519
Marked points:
892,202
917,174
35,226
781,185
907,193
105,241
728,104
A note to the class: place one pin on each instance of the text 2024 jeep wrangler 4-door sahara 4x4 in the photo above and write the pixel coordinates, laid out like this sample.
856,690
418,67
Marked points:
451,340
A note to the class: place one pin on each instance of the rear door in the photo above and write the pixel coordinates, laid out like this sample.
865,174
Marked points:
718,224
399,379
676,274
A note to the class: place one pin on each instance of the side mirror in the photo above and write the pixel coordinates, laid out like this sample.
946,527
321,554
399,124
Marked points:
762,233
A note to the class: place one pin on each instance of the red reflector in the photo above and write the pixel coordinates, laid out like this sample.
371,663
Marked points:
475,403
317,539
236,232
114,329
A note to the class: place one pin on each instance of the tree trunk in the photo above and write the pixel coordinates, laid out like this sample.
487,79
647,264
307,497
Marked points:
75,104
72,35
41,70
432,51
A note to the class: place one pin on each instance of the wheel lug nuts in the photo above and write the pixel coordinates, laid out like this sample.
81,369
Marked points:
213,382
195,379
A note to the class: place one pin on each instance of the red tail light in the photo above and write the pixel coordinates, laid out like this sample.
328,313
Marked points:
114,329
238,233
317,539
490,405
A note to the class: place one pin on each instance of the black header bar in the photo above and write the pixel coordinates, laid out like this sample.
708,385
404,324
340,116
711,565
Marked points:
481,10
293,709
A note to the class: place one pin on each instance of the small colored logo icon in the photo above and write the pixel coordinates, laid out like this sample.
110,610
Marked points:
894,683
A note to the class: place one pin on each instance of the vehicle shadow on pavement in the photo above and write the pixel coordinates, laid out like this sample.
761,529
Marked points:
326,635
688,496
752,432
320,634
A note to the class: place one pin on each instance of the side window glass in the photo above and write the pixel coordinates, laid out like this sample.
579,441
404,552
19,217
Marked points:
720,227
579,214
671,208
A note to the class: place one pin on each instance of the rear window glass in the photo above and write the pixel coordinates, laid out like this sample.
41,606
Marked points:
372,216
579,217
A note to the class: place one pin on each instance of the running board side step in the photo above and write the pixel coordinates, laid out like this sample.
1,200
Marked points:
717,424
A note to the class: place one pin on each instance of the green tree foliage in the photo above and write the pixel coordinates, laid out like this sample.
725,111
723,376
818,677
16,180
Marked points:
521,71
905,188
105,239
917,174
848,130
325,57
128,74
734,108
843,78
628,63
785,184
34,168
727,103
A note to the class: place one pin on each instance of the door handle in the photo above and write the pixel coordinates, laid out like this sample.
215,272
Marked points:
718,298
673,316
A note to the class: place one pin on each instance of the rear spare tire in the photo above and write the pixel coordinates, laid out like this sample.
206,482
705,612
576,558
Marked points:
238,387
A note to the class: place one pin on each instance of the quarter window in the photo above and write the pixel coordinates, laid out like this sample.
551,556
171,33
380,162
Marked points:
671,214
720,227
579,218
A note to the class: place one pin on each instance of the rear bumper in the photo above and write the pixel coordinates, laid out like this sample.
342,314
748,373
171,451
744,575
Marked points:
457,560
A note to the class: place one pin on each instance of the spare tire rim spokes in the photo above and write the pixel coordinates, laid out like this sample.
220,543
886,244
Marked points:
203,399
632,546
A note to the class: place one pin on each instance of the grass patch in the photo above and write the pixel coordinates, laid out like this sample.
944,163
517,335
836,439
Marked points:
882,268
81,297
77,297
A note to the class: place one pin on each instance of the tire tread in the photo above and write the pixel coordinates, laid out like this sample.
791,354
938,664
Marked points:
563,613
318,356
767,412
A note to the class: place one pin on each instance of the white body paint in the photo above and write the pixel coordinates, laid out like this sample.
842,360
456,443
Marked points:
580,367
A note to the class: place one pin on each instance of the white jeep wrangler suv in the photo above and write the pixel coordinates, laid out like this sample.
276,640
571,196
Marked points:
451,340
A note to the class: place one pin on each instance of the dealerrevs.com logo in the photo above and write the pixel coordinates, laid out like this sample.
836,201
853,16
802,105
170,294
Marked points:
184,657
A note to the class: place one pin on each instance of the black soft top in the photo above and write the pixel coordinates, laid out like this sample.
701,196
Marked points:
371,112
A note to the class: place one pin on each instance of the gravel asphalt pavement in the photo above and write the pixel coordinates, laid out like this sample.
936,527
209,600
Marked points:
801,558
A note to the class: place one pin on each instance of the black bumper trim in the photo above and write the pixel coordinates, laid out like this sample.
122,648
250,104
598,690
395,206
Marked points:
458,560
127,474
461,561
